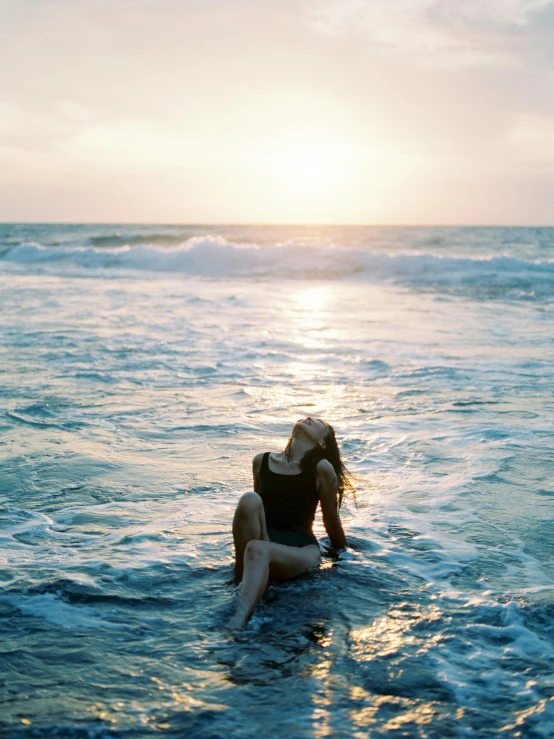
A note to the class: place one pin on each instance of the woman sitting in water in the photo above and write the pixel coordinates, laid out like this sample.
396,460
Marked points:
272,527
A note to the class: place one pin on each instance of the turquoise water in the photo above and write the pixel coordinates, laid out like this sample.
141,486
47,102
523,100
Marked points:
142,368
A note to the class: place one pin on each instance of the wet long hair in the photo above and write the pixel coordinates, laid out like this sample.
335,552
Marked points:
311,459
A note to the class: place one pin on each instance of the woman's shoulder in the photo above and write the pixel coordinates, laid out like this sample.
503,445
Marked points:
325,466
325,470
257,460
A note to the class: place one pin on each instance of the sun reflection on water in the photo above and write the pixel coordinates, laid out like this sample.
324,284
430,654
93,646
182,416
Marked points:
394,711
310,316
407,712
389,634
314,299
322,697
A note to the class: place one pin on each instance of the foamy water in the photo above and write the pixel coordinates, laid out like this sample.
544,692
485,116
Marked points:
143,367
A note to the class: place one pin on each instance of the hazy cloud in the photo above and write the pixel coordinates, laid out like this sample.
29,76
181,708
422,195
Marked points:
438,32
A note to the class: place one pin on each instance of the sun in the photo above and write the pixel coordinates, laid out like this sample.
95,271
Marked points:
314,174
305,163
310,170
304,166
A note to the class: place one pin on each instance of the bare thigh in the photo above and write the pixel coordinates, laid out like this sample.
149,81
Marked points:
285,561
248,524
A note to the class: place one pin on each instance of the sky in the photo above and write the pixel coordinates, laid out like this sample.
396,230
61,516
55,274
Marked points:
277,111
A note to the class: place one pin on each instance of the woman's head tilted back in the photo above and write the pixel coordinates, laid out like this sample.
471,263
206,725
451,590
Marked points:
322,444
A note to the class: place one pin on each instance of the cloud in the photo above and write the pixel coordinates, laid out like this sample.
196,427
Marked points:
530,141
439,32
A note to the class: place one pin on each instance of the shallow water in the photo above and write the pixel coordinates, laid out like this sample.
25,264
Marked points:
142,368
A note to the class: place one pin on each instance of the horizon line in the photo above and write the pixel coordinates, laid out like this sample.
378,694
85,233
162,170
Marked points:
277,225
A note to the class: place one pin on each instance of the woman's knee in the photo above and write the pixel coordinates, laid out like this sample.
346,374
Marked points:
249,504
256,551
313,556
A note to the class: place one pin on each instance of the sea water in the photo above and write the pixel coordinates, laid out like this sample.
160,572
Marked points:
141,369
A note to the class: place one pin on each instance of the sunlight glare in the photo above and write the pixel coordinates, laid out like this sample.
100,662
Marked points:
306,163
315,175
314,298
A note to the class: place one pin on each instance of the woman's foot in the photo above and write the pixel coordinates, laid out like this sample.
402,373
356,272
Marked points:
241,616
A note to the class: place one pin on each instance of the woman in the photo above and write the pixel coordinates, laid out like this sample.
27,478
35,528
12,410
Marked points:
272,527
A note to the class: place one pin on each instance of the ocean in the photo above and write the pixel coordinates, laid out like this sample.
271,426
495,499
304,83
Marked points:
142,367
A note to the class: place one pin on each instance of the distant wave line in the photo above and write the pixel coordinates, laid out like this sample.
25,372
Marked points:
215,256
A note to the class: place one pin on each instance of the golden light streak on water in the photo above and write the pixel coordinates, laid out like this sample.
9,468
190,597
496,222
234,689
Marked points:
390,634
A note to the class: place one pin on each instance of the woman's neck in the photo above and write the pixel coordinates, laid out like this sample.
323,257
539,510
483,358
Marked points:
297,449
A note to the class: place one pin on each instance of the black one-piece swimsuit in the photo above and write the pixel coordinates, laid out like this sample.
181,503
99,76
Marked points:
289,507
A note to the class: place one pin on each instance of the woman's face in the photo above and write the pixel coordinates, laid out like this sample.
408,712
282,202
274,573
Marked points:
312,428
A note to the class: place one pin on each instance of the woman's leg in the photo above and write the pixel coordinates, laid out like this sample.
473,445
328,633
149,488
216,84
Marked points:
262,560
248,524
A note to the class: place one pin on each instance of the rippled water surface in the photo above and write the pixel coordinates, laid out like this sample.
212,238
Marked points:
141,368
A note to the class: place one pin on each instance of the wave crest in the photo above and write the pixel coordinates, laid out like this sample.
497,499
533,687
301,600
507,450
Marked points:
216,257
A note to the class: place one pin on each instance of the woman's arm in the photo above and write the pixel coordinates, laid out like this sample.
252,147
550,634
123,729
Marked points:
256,467
327,489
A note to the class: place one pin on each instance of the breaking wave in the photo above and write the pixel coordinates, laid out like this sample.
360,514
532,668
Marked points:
217,257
